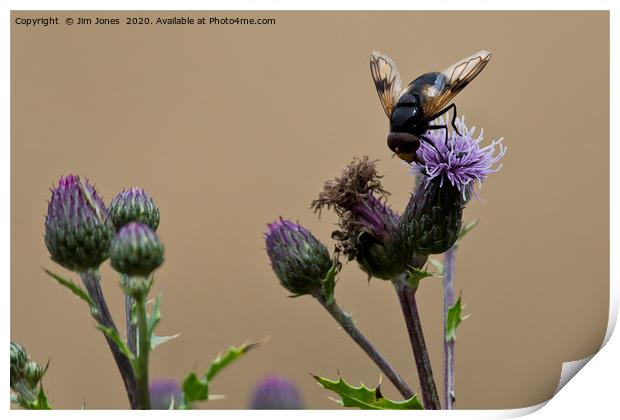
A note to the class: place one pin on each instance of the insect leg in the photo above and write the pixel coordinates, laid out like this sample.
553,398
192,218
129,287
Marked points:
430,142
440,127
454,114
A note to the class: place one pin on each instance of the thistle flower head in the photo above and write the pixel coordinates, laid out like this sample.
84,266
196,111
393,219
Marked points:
136,250
276,393
462,161
432,220
164,393
367,225
78,229
25,373
300,261
134,205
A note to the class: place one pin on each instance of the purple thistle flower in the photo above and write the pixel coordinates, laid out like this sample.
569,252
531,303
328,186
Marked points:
276,393
163,393
78,229
134,205
462,161
136,250
300,261
374,215
432,220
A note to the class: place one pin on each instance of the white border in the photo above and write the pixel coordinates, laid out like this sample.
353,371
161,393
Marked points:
594,394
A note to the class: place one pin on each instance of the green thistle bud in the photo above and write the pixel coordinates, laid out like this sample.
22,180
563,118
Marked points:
134,205
25,373
136,250
300,261
19,360
432,219
78,229
33,372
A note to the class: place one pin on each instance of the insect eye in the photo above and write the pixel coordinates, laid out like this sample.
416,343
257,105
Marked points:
403,142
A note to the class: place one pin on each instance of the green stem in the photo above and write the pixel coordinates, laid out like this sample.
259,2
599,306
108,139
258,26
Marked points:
144,348
348,325
448,345
406,296
91,280
131,328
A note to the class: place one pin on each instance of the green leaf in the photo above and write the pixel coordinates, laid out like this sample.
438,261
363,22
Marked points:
41,402
366,398
112,334
221,361
155,316
466,229
74,288
414,275
329,284
195,389
439,266
157,340
454,319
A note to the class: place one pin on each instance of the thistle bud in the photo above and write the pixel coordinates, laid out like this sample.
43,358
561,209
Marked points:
300,261
78,229
25,373
164,393
136,250
134,205
276,393
432,219
19,359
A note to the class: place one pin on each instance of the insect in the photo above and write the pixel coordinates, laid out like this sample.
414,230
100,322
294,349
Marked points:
412,110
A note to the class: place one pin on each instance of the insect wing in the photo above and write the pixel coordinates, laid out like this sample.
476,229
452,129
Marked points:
387,80
451,81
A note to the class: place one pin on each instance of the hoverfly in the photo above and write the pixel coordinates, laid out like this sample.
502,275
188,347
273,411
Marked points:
411,110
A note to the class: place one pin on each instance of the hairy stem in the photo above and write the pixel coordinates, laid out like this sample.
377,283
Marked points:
142,366
448,345
406,296
348,325
91,280
131,328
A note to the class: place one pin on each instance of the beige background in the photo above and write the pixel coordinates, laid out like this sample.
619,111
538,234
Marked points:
231,126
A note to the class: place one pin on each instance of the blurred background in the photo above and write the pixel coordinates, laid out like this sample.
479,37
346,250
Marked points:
232,126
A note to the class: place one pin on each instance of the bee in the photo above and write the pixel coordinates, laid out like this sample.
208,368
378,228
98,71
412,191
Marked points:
412,110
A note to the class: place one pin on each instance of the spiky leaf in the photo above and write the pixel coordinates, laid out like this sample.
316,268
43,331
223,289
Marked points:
195,389
221,361
157,340
155,316
414,275
467,228
439,266
74,288
329,284
41,401
366,398
112,334
454,319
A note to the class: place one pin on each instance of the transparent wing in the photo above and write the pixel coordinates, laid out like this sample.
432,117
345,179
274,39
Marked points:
387,80
451,81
